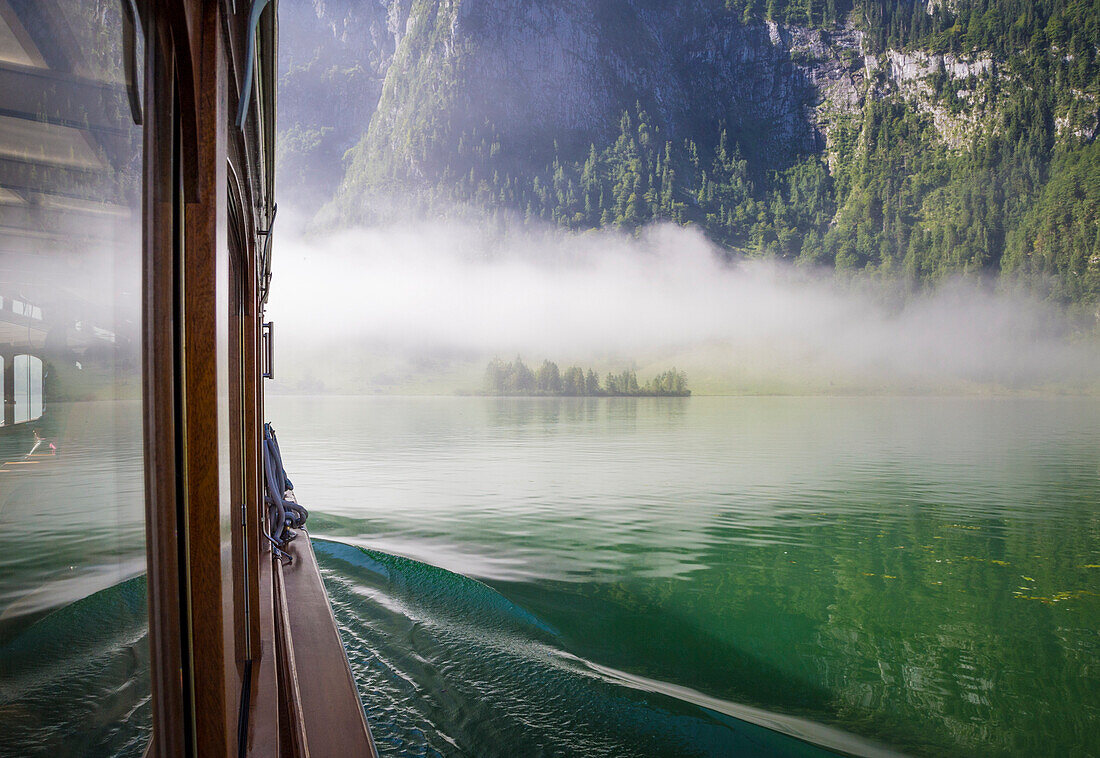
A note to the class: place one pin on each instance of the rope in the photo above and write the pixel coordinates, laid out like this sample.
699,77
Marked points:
282,514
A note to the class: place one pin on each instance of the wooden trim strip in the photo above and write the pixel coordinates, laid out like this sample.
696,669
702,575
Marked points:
263,721
291,689
160,231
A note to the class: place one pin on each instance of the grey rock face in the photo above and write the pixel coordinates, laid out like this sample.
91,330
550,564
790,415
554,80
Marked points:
546,71
334,56
918,65
330,43
567,69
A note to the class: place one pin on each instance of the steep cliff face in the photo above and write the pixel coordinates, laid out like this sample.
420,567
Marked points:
825,139
561,71
334,56
565,70
398,82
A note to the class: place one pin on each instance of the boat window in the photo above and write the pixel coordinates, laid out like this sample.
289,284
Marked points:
74,659
28,388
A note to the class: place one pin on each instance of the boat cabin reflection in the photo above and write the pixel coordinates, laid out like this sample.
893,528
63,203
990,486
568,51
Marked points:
137,147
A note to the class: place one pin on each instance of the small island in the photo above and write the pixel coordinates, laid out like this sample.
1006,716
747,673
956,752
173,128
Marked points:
516,379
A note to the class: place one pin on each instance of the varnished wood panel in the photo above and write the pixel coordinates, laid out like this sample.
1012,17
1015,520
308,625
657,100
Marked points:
170,707
209,551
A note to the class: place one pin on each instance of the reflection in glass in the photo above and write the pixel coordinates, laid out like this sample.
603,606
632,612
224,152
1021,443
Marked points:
73,641
28,388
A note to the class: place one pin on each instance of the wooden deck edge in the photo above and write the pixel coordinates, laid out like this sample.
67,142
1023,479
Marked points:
263,722
332,717
290,693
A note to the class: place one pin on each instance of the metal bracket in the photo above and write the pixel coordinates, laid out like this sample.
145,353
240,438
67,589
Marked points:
267,354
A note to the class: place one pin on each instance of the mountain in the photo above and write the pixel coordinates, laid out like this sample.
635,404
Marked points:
895,137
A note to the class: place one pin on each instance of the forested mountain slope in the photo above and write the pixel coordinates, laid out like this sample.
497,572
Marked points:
902,138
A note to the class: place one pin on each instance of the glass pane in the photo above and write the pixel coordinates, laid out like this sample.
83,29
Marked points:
74,659
28,388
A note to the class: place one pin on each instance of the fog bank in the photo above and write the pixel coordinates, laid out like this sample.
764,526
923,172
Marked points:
422,308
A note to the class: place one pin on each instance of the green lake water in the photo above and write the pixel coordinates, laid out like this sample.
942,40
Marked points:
617,577
74,651
711,576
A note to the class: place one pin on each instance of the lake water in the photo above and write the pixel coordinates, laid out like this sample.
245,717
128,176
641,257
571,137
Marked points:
617,577
74,651
710,576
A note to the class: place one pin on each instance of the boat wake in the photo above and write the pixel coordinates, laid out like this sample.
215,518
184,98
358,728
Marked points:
448,666
76,681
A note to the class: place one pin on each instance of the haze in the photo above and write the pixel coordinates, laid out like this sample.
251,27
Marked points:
421,307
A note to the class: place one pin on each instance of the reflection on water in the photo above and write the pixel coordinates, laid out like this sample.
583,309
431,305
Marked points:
76,682
74,676
72,522
921,572
73,653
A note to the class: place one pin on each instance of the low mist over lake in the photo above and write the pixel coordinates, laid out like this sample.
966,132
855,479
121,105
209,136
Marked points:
422,307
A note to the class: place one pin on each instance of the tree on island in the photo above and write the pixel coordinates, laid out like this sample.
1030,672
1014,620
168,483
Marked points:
572,383
515,378
549,379
672,382
591,383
